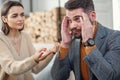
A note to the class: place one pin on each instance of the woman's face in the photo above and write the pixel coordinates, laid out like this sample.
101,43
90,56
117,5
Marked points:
15,17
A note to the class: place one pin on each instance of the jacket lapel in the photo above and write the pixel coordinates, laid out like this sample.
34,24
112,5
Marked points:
99,39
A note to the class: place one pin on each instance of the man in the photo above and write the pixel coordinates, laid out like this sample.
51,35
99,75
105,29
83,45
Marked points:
87,48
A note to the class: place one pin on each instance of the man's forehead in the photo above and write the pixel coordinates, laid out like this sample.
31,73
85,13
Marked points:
74,12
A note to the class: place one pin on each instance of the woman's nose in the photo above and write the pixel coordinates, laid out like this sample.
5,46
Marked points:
20,18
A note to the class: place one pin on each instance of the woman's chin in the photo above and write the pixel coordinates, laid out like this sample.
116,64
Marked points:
21,27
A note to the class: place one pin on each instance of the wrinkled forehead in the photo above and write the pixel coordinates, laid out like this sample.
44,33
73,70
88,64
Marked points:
75,12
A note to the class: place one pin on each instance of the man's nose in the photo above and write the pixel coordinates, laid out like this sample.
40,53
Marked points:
73,25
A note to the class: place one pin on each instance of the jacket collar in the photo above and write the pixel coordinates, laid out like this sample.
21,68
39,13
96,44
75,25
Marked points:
100,34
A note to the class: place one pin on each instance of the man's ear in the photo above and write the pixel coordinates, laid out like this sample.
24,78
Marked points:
93,16
4,19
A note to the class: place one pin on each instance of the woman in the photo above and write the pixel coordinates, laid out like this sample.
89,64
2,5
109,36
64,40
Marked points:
18,58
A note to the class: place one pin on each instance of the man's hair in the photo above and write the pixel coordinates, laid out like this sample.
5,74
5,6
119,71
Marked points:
87,5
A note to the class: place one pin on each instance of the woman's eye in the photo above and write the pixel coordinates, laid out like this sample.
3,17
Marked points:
13,16
22,14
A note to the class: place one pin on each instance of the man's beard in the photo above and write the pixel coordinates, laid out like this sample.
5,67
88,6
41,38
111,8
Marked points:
78,37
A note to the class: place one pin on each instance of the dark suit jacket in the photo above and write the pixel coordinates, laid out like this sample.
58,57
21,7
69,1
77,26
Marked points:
103,61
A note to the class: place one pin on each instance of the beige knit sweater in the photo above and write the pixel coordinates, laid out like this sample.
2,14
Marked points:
14,66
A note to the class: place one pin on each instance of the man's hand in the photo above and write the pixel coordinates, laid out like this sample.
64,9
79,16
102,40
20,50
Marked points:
87,27
65,33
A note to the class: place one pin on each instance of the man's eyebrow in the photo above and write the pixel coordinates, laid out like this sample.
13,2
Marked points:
77,16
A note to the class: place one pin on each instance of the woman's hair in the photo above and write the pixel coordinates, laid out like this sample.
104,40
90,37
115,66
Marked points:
4,12
87,5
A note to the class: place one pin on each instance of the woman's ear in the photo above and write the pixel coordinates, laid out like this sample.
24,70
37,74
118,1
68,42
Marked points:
4,19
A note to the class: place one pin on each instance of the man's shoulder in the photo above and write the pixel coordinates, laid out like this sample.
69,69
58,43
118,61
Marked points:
112,34
108,31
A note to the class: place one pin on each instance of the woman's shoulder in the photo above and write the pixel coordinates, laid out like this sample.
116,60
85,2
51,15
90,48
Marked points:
2,35
3,38
25,35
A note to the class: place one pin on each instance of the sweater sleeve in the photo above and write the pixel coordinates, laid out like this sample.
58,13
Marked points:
10,65
63,52
42,64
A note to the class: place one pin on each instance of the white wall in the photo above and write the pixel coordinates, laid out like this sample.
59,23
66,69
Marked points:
44,5
116,14
26,4
104,12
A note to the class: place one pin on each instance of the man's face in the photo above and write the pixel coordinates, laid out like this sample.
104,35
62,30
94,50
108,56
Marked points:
75,22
